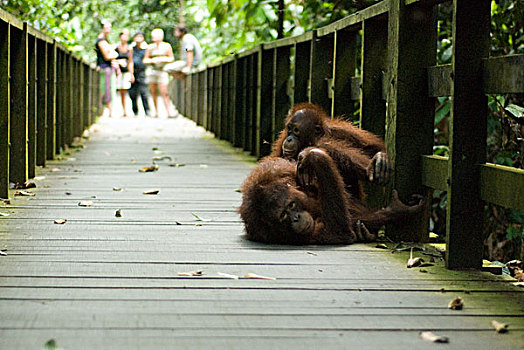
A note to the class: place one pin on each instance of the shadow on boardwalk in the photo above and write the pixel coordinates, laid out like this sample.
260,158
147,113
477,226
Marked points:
105,282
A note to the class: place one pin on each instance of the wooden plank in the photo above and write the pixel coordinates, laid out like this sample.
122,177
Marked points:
31,105
355,20
502,185
301,75
5,105
467,140
18,167
42,106
435,172
320,70
439,80
281,77
412,33
51,100
344,69
504,74
264,103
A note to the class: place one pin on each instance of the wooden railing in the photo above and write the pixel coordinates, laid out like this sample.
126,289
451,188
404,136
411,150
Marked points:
48,96
244,99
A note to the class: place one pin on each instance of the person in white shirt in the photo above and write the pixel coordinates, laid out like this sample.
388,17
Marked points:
191,54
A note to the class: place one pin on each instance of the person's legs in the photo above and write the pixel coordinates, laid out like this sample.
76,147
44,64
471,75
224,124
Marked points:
165,97
107,89
144,95
123,99
153,89
133,95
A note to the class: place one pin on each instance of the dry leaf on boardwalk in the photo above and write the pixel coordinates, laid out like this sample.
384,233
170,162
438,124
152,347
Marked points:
148,169
499,327
151,192
432,337
227,275
118,189
198,218
456,304
118,213
26,185
255,276
166,157
4,214
60,221
191,273
381,246
25,193
413,262
204,165
312,253
85,203
3,253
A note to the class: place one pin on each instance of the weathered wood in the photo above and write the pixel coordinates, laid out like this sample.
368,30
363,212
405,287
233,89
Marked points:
502,185
412,33
503,74
356,19
264,103
18,167
435,172
320,70
468,129
41,98
51,100
344,69
5,105
31,105
301,73
281,75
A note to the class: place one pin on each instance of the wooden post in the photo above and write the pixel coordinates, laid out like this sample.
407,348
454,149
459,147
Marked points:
51,100
412,47
281,98
372,104
59,99
31,106
209,101
468,132
232,101
301,73
224,101
344,66
320,70
264,125
18,172
41,126
5,106
240,102
251,102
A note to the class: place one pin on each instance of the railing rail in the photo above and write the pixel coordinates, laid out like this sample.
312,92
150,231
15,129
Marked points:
244,98
48,96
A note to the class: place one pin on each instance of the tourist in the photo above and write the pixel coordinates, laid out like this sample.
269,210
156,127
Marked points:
190,52
125,61
139,86
105,59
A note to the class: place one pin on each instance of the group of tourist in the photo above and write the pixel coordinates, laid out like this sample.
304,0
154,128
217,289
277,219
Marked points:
142,68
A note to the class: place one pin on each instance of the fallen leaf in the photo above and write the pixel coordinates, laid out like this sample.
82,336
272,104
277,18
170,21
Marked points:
413,262
151,192
6,201
227,275
118,189
499,327
85,203
312,253
3,253
432,337
50,345
198,218
177,165
148,169
381,246
118,213
255,276
191,273
167,157
25,193
203,165
238,190
26,185
456,304
4,214
60,221
178,223
154,149
158,152
68,193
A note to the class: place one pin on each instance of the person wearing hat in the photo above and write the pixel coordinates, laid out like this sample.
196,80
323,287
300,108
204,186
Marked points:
139,86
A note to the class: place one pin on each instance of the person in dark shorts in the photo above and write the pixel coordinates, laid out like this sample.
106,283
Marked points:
105,59
139,86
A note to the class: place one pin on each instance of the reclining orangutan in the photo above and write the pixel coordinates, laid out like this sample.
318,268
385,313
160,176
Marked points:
359,154
306,202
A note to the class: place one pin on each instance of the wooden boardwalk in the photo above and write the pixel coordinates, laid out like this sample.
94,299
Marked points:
105,282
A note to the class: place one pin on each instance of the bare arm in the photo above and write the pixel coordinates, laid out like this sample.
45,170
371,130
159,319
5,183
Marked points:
107,51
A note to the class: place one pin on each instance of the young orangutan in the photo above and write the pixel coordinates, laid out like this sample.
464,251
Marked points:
306,202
